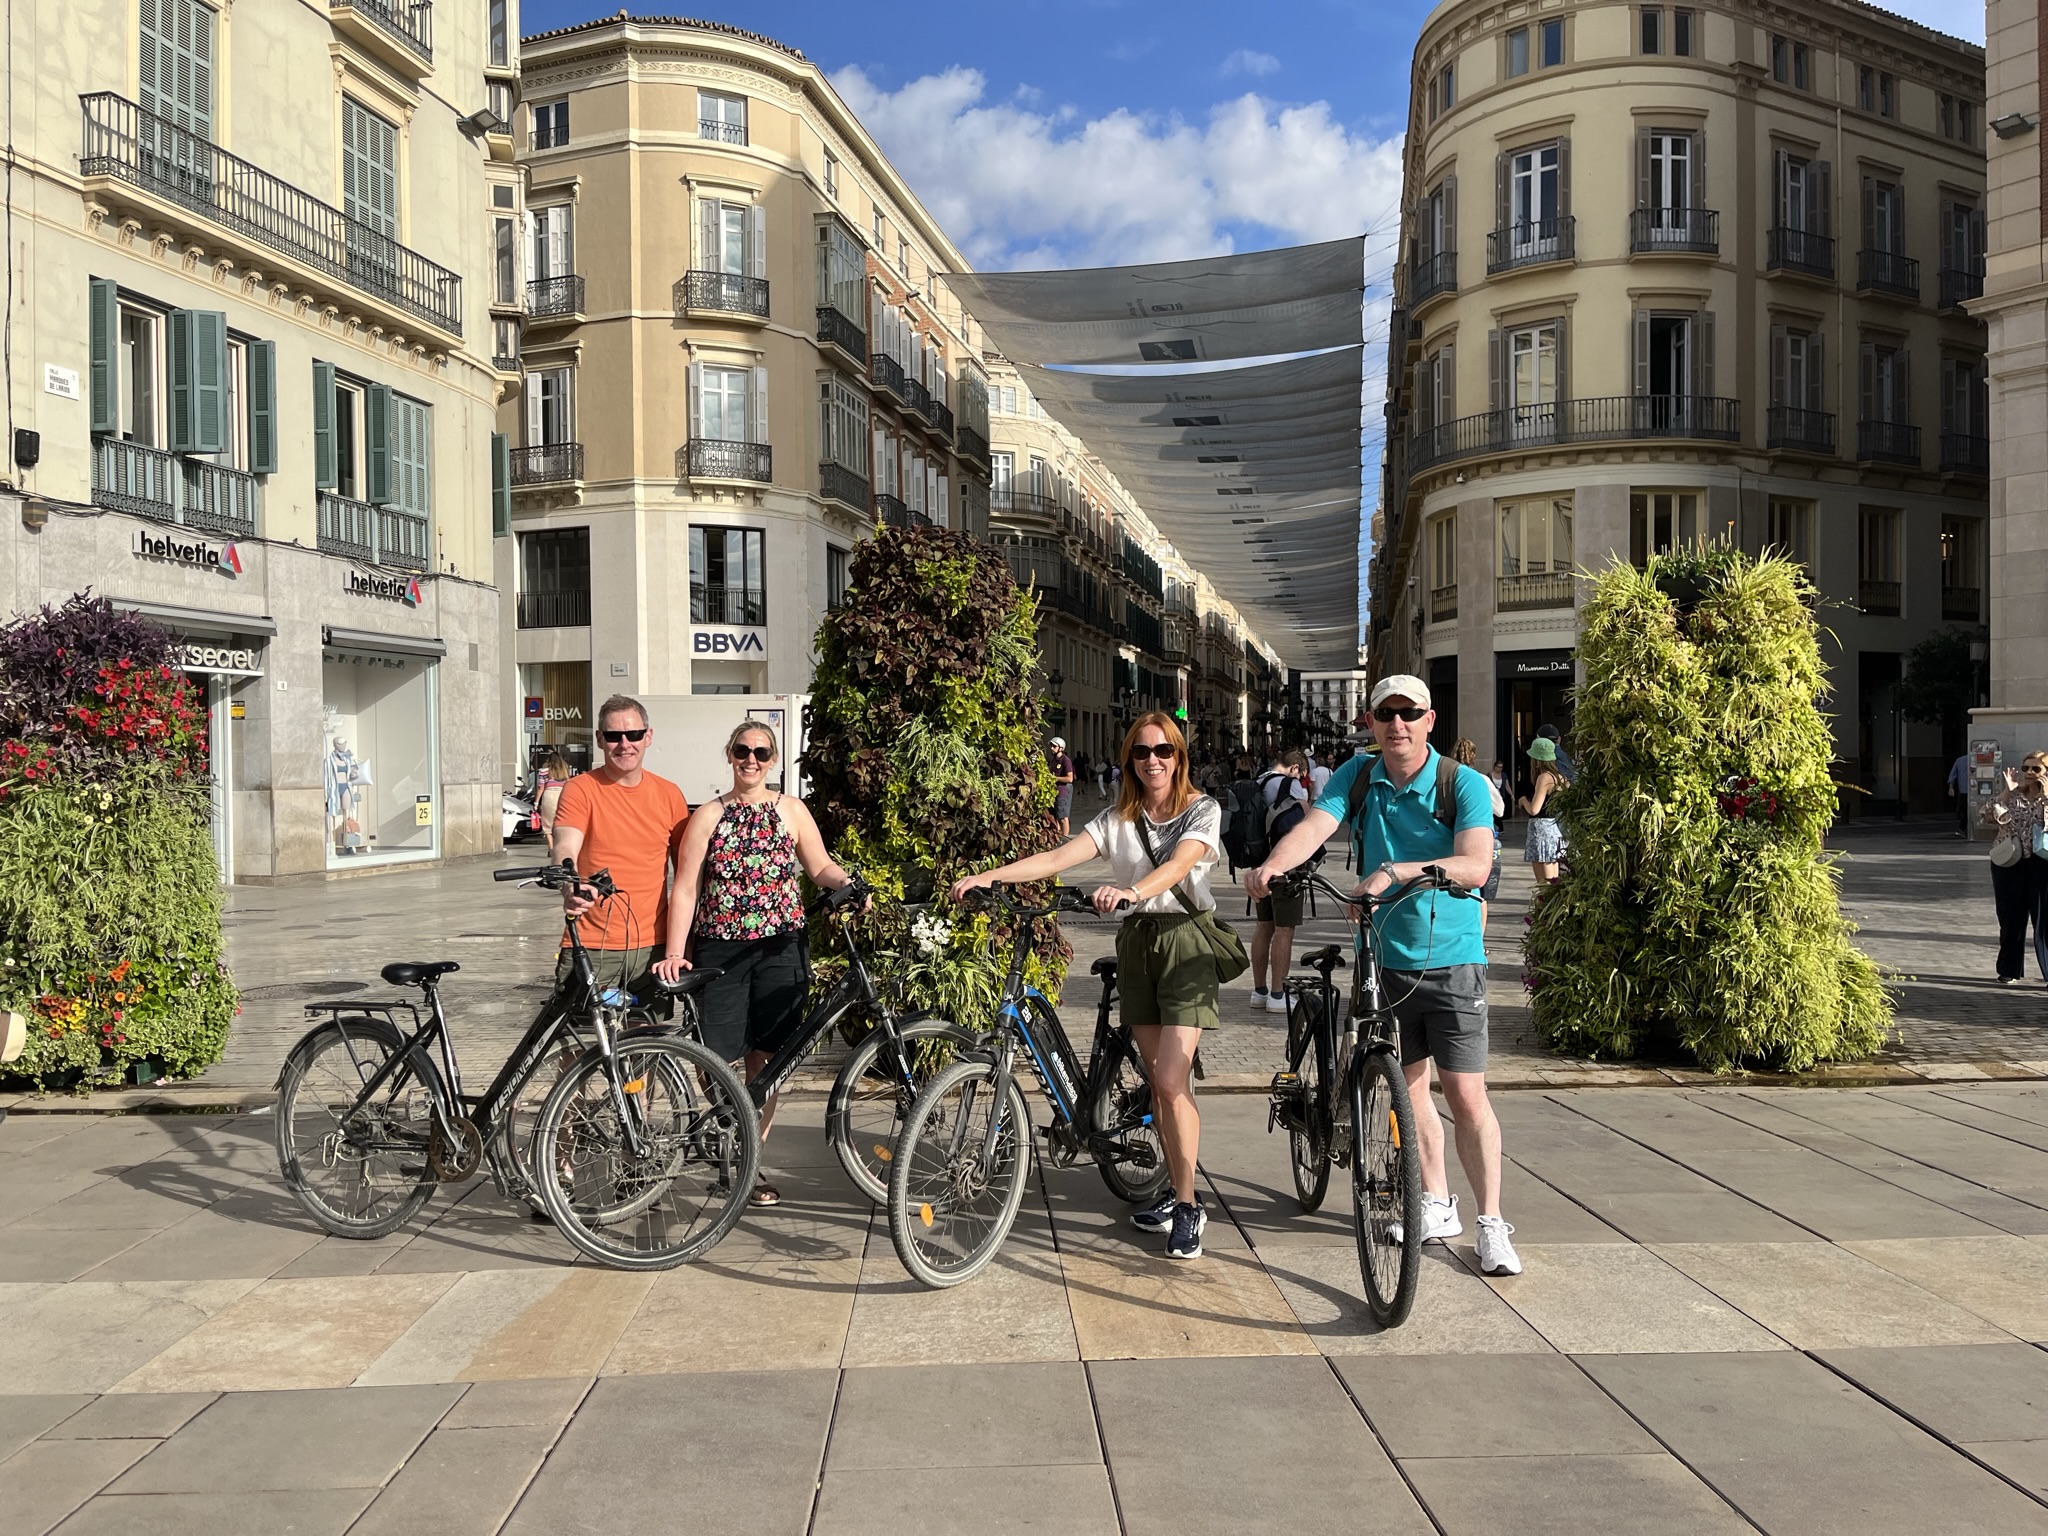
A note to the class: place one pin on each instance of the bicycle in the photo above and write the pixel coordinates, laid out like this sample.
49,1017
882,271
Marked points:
1344,1101
369,1124
960,1165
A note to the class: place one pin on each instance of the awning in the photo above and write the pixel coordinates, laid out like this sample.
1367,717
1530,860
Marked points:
198,621
371,640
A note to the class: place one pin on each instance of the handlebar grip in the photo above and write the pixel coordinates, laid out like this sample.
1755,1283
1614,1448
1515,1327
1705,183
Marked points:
502,875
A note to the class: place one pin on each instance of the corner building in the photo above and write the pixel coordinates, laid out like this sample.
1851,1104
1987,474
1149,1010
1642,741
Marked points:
1681,275
253,390
736,358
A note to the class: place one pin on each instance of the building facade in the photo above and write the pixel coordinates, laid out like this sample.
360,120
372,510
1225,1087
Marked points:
252,391
1678,275
1332,703
736,357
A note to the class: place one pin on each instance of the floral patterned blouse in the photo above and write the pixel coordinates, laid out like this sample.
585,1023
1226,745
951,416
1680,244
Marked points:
2017,815
749,889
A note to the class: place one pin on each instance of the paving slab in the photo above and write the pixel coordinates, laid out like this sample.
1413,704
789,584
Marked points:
2001,1279
1570,1495
88,1335
481,1230
1133,1303
1539,1213
907,1418
738,1313
1900,1124
1963,1393
1489,1406
1596,1298
1796,1448
1456,1312
276,1442
132,1416
462,1321
28,1415
460,1482
570,1331
990,1501
511,1404
46,1481
313,1512
2025,1462
1978,1112
1016,1309
252,1234
124,1201
55,1253
740,1451
1217,1446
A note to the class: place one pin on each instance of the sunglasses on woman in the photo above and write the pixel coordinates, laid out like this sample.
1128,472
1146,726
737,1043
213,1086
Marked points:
1163,750
758,754
613,738
1387,712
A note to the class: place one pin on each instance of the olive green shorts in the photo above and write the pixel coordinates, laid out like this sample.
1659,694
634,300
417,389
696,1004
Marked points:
1165,972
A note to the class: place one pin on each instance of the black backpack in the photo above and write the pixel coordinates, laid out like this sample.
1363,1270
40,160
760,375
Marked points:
1285,813
1446,799
1245,839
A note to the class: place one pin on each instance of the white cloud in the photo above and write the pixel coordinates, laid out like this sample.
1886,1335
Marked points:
1249,61
1017,187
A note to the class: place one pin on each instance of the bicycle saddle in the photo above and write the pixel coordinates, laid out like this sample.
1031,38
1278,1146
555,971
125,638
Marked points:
687,983
1328,958
410,973
1105,967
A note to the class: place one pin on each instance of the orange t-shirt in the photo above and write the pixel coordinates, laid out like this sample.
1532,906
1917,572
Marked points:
634,833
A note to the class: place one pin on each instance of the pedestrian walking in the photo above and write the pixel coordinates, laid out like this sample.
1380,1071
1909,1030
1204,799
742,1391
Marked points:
1959,791
1551,734
1161,839
1063,783
1498,778
1286,795
2019,866
1466,751
1546,846
1431,943
1102,766
739,907
549,781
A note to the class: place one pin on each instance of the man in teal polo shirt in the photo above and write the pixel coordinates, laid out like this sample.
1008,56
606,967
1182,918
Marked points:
1430,944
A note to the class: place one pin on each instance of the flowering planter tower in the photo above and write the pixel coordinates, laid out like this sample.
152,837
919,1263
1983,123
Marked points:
1697,912
925,756
110,938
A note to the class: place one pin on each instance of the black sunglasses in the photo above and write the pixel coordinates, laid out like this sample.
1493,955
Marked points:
758,754
1387,712
613,738
1164,751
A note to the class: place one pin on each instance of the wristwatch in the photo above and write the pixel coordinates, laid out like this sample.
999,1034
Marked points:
1387,869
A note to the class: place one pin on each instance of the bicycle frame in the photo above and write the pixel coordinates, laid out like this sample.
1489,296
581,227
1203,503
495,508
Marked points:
856,988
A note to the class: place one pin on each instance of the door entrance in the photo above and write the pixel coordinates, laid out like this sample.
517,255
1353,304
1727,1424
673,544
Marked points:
1534,689
1880,731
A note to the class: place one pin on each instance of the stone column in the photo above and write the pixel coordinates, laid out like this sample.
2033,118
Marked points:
1475,625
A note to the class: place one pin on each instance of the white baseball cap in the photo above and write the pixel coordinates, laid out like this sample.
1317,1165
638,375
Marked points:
1401,685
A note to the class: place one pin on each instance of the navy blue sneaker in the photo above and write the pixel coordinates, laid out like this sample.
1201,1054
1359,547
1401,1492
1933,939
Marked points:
1188,1224
1156,1217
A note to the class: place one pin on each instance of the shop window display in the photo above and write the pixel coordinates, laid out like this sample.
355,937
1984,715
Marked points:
378,772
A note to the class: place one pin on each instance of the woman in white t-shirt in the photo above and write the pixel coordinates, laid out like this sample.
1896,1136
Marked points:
1166,969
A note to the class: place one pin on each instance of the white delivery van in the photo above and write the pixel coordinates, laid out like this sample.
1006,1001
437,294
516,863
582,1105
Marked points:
690,731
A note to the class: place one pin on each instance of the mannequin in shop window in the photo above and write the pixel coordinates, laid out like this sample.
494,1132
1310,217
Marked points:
344,776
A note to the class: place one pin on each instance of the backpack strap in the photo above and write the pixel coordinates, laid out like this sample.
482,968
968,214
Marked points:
1447,791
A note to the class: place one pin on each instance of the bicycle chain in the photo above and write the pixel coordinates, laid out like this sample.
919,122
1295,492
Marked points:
466,1156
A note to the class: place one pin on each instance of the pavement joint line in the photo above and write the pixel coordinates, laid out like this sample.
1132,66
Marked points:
825,1446
1968,1125
539,1467
1116,1498
1386,1450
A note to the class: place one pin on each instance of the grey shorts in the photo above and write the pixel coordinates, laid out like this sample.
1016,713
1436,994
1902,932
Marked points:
1442,1013
1063,801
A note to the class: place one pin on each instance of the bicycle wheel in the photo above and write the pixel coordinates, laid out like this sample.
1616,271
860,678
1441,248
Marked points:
864,1115
958,1175
646,1162
519,1120
1126,1100
360,1171
1386,1185
1308,1146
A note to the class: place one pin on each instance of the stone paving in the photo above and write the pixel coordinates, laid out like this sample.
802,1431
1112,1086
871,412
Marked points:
1792,1310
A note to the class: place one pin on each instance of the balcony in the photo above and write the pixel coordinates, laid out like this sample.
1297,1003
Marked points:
710,458
1534,244
1887,272
885,373
1679,231
1962,603
555,298
721,132
356,530
716,604
1878,597
1443,603
1431,276
1887,442
203,192
891,512
1802,252
835,330
399,33
940,415
550,135
1965,454
1544,589
1016,503
1787,426
167,488
973,446
547,464
917,397
554,610
1606,418
1958,285
838,483
722,293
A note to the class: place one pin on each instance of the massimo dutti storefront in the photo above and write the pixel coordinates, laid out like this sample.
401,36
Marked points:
333,689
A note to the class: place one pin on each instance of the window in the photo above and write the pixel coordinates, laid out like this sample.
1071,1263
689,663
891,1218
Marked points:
841,271
550,407
723,403
177,76
498,97
500,36
1877,554
1962,568
1535,540
1446,88
1533,194
1550,51
878,229
903,255
1652,29
722,118
1962,237
1530,382
843,413
1802,67
554,241
728,582
1781,53
831,174
1518,52
1887,96
1788,529
505,263
505,343
1965,403
732,238
1436,400
1966,122
1667,178
1797,373
838,575
369,174
1443,553
1945,115
555,561
885,462
1884,216
1002,469
1661,522
412,456
551,124
1674,366
140,360
1683,24
1866,88
1002,399
1886,383
1803,199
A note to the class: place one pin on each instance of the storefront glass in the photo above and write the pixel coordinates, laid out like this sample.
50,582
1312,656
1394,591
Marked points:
214,668
379,771
555,706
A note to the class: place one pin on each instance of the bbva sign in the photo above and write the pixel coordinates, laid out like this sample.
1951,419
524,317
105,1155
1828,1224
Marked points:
740,643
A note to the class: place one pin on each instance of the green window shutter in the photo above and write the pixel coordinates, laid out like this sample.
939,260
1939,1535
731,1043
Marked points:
261,388
377,442
199,371
326,472
104,324
501,485
178,364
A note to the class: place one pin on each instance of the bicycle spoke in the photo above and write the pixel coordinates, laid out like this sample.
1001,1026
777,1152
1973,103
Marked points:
358,1168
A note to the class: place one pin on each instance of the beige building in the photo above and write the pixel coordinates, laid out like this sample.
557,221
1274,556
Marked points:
1684,273
252,392
1331,702
2015,305
736,357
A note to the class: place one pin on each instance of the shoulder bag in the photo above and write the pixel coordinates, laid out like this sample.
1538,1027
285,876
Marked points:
1223,941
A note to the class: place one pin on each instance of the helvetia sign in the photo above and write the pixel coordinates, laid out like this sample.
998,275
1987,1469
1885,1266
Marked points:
152,545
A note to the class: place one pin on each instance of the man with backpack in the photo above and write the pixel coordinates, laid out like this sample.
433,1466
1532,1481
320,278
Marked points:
1283,801
1410,812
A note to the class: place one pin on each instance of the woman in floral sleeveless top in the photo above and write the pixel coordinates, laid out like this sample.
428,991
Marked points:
738,906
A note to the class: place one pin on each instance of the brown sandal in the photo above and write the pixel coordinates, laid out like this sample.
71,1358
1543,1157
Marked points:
765,1194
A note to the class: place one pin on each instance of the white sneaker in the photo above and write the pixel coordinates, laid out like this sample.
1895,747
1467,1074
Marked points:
1496,1254
1276,1002
1258,999
1440,1219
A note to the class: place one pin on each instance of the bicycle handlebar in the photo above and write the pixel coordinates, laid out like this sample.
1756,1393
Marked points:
555,877
1064,899
855,890
1298,880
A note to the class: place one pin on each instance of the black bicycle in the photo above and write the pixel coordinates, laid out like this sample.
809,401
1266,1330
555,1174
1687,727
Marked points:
961,1164
1343,1101
642,1151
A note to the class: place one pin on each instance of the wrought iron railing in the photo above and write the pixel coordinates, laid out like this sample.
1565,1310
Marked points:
940,415
973,446
712,603
712,458
1887,272
1530,244
410,22
550,135
1431,276
547,464
838,483
725,293
554,610
1025,503
836,330
1547,589
893,512
371,534
1443,603
554,298
884,372
1963,453
1887,442
1964,603
1880,597
1788,426
1604,418
917,397
404,539
1960,284
1801,250
128,144
1674,229
721,132
168,488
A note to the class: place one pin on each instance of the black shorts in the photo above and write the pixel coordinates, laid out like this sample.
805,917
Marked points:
758,1004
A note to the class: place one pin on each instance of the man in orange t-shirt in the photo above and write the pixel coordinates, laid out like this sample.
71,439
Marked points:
624,819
